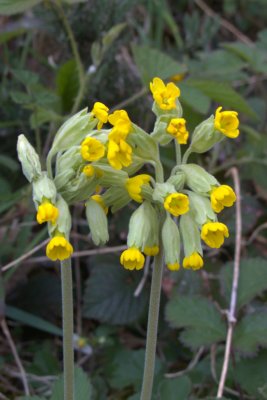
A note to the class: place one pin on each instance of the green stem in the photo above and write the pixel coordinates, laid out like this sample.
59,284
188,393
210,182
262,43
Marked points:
178,152
152,327
186,155
67,312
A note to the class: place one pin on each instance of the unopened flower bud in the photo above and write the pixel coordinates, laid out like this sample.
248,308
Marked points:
171,243
29,159
44,189
97,221
205,136
143,227
197,179
201,208
190,235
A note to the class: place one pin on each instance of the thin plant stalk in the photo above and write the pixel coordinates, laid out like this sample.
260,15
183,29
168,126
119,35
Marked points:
152,327
67,313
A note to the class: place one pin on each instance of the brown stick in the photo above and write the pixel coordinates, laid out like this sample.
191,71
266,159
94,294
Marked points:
231,313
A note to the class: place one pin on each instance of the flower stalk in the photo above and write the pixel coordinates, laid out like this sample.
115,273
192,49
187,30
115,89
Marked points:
67,316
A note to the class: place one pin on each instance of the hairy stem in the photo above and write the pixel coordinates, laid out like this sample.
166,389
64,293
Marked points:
67,311
152,327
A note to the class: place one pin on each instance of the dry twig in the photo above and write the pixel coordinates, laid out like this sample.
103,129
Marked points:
231,313
12,346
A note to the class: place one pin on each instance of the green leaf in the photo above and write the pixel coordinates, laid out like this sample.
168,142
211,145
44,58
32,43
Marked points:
153,63
109,295
8,163
42,115
194,98
20,97
31,320
176,388
252,280
251,375
9,35
83,389
10,7
250,332
67,82
127,368
26,77
223,94
199,316
112,35
31,398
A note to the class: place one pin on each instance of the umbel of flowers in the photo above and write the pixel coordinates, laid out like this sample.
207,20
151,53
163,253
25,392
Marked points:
99,157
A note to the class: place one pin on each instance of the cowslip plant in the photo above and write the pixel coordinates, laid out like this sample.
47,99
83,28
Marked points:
102,168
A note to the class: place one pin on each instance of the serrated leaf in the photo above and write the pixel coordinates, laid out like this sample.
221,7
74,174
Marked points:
176,388
26,77
11,7
223,94
153,63
109,295
199,315
20,97
83,389
252,280
250,333
121,376
251,375
67,84
194,98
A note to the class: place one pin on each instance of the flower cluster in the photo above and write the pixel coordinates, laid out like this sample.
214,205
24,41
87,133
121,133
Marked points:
100,165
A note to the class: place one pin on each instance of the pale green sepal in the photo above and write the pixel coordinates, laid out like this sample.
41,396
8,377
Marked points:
43,189
159,133
63,223
139,227
197,179
116,198
144,146
190,235
70,159
177,180
97,221
171,241
162,190
79,188
201,208
111,176
174,113
71,133
29,159
137,164
205,136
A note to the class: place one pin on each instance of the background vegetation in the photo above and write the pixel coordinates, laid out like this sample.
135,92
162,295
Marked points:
58,57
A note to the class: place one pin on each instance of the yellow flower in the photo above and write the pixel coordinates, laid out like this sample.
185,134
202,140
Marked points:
121,122
119,154
177,77
47,212
194,261
222,196
99,199
173,267
134,186
132,258
89,170
213,234
151,251
59,248
100,111
164,95
227,122
176,204
177,129
92,149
